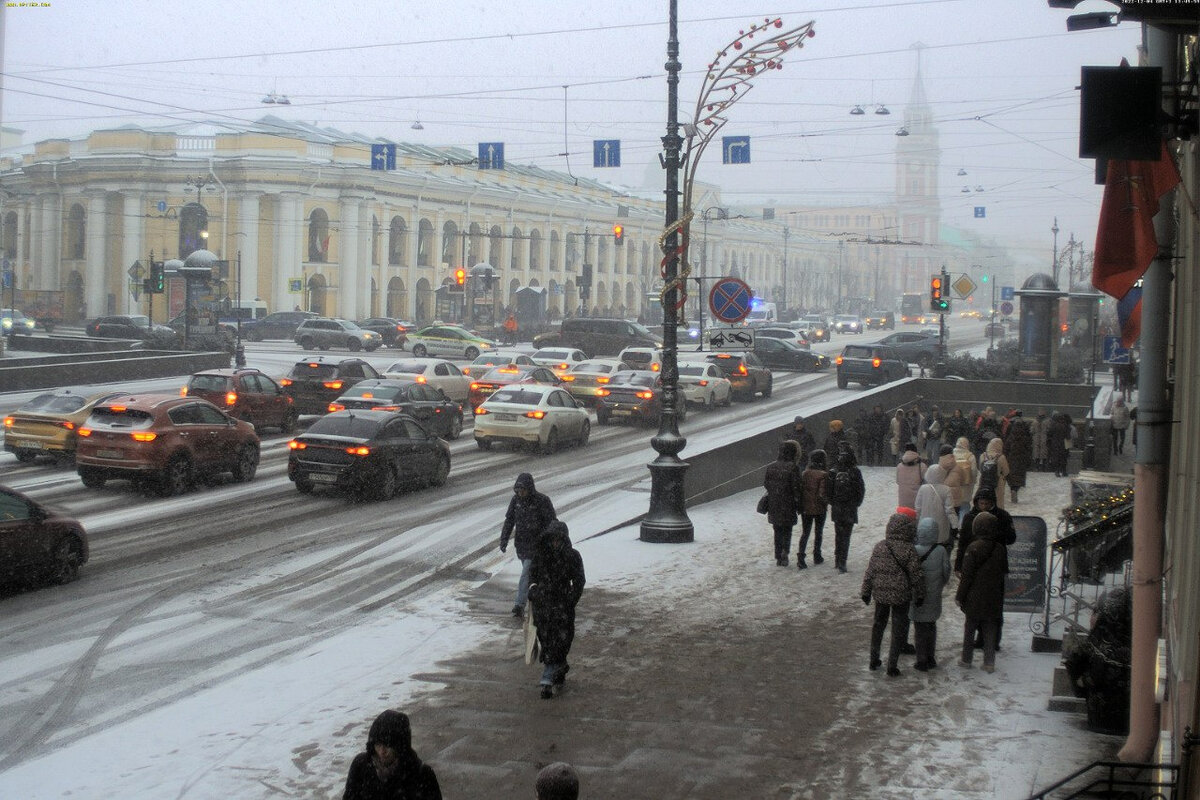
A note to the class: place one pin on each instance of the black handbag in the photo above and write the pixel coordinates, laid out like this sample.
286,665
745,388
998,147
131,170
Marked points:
764,504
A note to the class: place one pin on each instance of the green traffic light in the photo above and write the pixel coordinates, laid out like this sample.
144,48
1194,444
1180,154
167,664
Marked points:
985,278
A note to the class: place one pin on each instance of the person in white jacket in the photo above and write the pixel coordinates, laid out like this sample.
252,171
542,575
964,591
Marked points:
936,502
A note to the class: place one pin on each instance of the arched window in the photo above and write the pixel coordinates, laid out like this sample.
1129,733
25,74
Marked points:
574,242
535,250
424,243
475,247
494,237
602,263
554,247
193,224
397,241
76,231
376,235
318,236
450,248
10,236
518,246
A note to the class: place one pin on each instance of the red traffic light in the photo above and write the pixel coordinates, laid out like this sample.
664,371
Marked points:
619,233
460,276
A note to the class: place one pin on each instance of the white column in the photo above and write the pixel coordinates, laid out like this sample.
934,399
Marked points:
51,244
349,251
132,247
365,269
290,231
18,242
247,245
95,287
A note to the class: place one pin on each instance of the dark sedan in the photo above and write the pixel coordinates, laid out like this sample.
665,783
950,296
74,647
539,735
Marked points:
367,452
782,354
133,326
426,404
392,330
635,395
36,543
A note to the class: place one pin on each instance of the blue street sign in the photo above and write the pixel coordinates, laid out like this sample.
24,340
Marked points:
735,149
980,212
1114,353
606,152
383,156
162,206
491,155
1007,293
730,299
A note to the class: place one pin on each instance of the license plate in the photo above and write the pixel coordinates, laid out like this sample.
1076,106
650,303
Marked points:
506,417
321,477
620,412
26,444
109,454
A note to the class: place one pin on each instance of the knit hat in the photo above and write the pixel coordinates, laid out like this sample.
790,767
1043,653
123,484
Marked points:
901,527
835,425
909,447
985,526
911,513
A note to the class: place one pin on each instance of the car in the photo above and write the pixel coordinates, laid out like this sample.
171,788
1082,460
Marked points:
436,372
635,395
797,336
392,331
37,543
483,386
181,326
448,340
913,347
279,325
163,441
531,414
747,375
14,323
247,394
870,364
995,330
48,424
559,359
314,383
880,320
782,354
702,384
971,313
586,379
848,323
647,358
429,406
817,326
496,358
327,332
598,336
132,326
687,337
371,453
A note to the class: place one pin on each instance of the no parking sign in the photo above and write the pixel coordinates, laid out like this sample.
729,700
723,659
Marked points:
729,300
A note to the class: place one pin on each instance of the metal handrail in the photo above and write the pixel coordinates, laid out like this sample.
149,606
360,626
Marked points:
1136,782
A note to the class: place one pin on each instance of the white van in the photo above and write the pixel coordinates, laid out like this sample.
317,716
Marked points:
762,314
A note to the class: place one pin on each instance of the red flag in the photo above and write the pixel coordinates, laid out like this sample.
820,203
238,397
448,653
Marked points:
1125,240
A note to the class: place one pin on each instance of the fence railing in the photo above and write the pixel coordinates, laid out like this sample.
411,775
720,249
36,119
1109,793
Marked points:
1117,779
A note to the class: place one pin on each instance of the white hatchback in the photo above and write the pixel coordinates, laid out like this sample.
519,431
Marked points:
533,414
559,359
435,372
703,384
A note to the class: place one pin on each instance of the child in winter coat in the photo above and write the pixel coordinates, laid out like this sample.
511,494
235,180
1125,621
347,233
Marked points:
935,566
894,579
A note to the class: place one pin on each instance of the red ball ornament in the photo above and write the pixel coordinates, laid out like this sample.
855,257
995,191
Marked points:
737,45
811,33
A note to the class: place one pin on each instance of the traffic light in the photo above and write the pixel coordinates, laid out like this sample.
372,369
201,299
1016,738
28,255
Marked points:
619,234
460,277
158,279
938,301
985,279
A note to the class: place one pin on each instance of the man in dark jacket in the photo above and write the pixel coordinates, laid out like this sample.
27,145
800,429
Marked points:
847,490
529,512
390,768
980,592
878,426
984,502
784,493
803,437
556,584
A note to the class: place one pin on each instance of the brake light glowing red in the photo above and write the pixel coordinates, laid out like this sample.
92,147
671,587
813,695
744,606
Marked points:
563,366
535,414
645,395
85,432
603,392
336,407
655,367
285,381
332,384
183,391
703,382
119,409
421,379
144,436
474,387
295,445
603,379
838,360
568,378
480,411
368,395
359,451
875,362
742,370
230,398
67,424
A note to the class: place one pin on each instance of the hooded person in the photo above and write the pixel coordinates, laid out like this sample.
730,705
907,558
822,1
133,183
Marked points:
557,781
996,478
955,478
802,436
837,435
980,592
893,579
814,505
909,473
556,581
968,466
390,768
784,494
1120,424
1018,450
934,501
935,567
846,492
529,512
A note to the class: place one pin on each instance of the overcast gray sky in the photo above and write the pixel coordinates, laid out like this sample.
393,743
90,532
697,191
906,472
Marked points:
1001,76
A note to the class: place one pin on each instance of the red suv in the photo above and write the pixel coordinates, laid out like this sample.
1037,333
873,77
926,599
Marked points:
163,441
245,394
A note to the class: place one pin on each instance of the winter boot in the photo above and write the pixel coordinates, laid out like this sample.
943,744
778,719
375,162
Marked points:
547,692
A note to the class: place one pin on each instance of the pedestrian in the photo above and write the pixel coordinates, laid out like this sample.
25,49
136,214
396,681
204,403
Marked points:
557,781
784,488
994,470
909,473
1018,449
980,592
846,492
529,512
814,504
968,468
894,579
510,328
935,568
1058,442
856,436
1120,424
556,582
898,434
934,429
935,501
916,427
803,438
985,502
390,768
986,428
877,434
956,426
1038,428
955,479
835,438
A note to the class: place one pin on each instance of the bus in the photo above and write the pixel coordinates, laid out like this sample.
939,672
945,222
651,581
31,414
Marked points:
912,309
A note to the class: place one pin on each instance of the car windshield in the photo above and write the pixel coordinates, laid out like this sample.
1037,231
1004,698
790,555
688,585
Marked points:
375,392
55,403
556,355
856,351
120,417
509,372
347,425
207,383
635,357
593,366
689,370
407,367
15,315
846,318
140,320
312,369
633,379
521,397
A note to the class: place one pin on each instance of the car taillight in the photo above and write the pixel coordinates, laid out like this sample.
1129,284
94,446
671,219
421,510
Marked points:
838,360
703,382
603,380
8,422
875,362
655,367
332,384
474,387
183,391
66,424
645,395
397,408
230,398
535,414
143,436
85,432
421,379
563,366
336,407
295,445
118,409
603,392
285,381
568,378
480,411
359,451
742,370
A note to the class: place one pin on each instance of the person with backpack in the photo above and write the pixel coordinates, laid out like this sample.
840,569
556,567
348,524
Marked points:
783,485
994,470
814,503
935,568
847,490
894,579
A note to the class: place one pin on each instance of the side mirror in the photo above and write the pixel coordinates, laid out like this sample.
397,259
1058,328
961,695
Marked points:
579,403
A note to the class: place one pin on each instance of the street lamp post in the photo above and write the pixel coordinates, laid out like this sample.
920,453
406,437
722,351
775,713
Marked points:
239,352
1054,263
